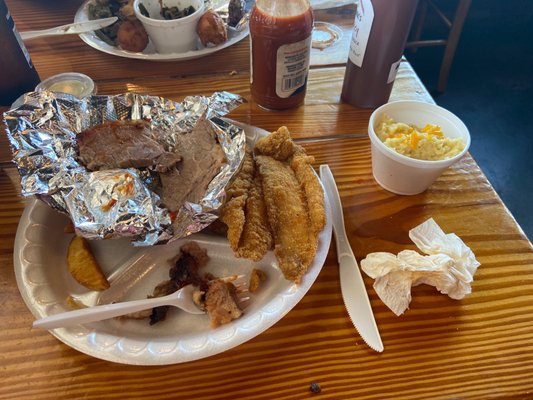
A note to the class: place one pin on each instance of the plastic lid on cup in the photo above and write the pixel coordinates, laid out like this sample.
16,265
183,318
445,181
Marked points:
73,83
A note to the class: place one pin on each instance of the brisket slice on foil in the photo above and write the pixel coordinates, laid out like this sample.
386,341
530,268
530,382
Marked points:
123,144
201,160
185,174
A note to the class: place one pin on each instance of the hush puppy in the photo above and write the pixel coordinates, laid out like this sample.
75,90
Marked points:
131,36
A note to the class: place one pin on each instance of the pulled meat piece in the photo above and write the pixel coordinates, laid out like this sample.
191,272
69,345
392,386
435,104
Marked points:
217,297
221,302
184,272
123,144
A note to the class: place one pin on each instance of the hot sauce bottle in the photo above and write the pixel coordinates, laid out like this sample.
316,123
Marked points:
376,48
280,50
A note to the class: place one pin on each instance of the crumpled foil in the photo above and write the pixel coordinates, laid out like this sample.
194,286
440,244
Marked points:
117,202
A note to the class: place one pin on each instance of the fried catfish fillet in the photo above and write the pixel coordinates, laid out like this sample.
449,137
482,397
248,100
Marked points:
294,243
256,238
245,214
294,199
278,145
301,165
276,199
232,212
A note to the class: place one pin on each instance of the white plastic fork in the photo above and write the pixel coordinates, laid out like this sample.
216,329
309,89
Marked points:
182,299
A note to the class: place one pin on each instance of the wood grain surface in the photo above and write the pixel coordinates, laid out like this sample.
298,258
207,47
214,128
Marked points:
480,347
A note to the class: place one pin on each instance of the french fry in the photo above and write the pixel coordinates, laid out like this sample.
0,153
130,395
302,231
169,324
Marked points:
83,266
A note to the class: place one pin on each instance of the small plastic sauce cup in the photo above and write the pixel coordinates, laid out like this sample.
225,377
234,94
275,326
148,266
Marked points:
73,83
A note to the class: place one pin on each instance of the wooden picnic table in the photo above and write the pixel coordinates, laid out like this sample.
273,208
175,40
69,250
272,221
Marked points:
476,348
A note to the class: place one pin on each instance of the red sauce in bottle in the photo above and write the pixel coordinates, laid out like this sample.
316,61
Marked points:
280,34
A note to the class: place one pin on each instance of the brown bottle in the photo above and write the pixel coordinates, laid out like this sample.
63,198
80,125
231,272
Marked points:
17,74
378,40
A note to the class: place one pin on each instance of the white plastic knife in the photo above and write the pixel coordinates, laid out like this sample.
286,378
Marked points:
69,29
352,285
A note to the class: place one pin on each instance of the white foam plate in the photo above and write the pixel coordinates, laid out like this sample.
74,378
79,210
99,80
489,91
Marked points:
149,53
45,283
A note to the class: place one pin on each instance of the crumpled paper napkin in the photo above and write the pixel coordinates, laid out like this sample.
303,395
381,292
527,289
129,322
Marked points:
449,265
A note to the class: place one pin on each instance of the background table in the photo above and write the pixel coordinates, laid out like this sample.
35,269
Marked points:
477,348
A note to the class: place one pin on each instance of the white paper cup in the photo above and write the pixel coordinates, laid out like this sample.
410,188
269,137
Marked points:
404,175
170,36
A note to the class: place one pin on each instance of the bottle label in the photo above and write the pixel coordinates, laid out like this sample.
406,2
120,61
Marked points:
292,67
393,71
364,16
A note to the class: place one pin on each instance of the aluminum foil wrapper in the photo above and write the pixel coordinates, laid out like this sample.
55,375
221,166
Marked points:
117,202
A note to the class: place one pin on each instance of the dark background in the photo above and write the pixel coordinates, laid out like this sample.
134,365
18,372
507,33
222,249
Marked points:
490,88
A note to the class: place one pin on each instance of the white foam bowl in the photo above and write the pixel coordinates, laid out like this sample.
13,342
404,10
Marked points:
170,36
404,175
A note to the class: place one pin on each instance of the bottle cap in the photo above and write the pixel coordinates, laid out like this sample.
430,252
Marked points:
74,83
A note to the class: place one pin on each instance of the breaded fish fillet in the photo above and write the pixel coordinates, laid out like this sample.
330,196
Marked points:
301,165
232,212
245,214
278,145
294,243
256,238
276,199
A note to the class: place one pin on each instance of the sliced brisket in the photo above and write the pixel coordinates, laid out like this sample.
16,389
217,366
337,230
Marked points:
123,144
202,158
